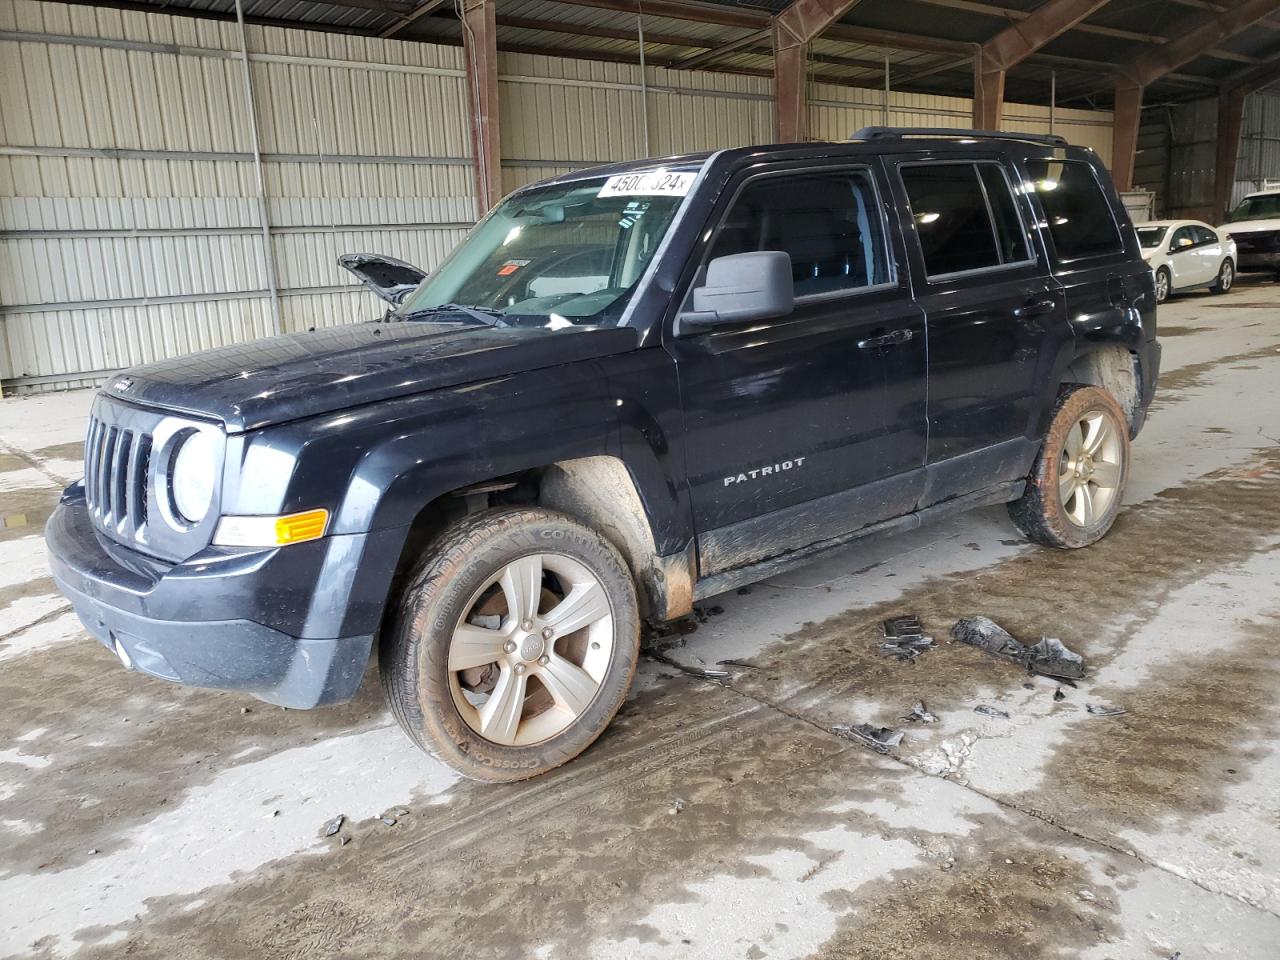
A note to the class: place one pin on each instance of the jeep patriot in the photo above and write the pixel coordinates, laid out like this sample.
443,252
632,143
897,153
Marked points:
629,388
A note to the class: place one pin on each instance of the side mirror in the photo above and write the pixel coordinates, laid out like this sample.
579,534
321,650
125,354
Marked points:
1183,243
741,288
391,279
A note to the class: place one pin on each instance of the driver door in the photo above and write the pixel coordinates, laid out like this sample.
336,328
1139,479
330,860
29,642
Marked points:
1185,263
811,425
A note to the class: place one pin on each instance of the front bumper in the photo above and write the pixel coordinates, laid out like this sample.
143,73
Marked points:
1258,262
292,626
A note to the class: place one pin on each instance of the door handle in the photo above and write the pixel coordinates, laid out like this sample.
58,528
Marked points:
887,340
1037,309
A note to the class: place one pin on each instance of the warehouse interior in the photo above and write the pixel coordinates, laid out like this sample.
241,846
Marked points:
176,178
181,175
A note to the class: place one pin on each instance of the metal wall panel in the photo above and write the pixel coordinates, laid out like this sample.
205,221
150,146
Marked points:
127,173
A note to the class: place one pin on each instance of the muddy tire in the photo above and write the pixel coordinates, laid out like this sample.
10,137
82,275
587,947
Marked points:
1164,284
1226,277
513,644
1075,487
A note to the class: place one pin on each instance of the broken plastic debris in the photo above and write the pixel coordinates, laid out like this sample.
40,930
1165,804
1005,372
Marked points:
738,663
1101,711
334,825
677,806
715,676
904,638
1048,657
1059,695
343,841
920,712
1051,658
389,821
879,739
989,711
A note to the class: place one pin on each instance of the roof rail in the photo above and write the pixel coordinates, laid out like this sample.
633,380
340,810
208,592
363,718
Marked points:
898,133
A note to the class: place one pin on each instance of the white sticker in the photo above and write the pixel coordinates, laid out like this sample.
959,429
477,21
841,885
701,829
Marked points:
651,183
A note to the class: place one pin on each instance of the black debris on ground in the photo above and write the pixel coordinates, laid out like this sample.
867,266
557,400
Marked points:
701,673
920,713
1049,657
1100,711
879,739
989,711
1059,695
904,638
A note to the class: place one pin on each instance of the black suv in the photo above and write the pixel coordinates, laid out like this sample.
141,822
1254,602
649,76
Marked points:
630,388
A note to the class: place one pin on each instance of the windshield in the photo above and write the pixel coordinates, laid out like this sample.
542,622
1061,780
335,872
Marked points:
1257,208
1151,236
567,254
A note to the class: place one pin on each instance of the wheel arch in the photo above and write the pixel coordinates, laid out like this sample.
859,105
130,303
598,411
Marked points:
1116,369
597,490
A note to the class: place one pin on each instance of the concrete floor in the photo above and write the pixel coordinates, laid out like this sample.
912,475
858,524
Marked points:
145,820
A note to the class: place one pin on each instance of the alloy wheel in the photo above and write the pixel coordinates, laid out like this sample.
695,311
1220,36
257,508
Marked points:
531,649
1090,468
1226,276
1162,286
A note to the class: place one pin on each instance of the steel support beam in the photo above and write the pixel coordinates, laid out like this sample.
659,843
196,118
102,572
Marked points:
1125,121
1199,37
1151,66
792,31
1227,150
1014,44
480,51
423,9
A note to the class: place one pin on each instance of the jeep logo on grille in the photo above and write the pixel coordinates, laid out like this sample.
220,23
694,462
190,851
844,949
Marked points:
123,384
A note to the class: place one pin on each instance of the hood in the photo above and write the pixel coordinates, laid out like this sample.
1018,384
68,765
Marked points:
255,384
1238,227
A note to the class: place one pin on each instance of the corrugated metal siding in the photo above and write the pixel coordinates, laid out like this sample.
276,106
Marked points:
126,167
1179,154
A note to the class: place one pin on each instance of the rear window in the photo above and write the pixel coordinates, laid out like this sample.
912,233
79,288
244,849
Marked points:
965,216
1078,214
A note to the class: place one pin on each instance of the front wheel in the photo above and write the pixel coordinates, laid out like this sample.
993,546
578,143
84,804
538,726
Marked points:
1074,491
514,644
1226,277
1164,284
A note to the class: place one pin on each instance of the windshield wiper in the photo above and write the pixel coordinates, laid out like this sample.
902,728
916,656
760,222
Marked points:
492,318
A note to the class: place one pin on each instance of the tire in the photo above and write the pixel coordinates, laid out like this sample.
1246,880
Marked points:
499,697
1226,277
1053,511
1164,284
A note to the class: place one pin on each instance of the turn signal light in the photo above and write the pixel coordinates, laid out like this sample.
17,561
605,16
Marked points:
272,531
301,526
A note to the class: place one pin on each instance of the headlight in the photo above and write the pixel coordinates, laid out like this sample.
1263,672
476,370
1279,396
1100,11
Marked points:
195,475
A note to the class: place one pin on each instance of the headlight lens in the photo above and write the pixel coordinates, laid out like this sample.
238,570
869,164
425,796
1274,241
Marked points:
194,475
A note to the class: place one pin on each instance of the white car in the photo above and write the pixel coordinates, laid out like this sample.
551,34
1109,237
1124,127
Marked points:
1185,254
1255,225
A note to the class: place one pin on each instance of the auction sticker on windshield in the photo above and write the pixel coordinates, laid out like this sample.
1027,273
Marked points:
650,183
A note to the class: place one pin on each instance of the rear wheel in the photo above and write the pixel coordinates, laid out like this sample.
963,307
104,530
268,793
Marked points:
1164,285
1226,277
514,644
1075,487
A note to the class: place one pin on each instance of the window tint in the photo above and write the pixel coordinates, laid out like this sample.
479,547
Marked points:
1079,217
828,223
1205,235
965,216
1010,234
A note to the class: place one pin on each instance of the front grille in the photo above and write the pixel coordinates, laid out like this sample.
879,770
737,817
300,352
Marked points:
1257,242
116,463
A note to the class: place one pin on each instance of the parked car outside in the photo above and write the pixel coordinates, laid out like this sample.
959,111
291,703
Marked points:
630,388
1254,225
1186,255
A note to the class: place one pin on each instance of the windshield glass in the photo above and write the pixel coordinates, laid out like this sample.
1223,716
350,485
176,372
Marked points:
1257,208
1151,236
568,254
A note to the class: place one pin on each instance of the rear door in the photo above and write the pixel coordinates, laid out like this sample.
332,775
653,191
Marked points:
990,306
809,426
